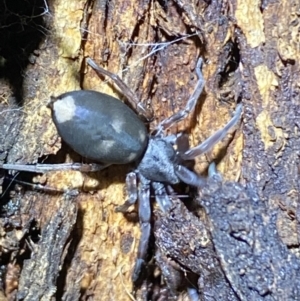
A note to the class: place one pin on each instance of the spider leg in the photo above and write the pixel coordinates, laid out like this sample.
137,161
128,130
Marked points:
206,145
42,168
189,177
213,173
142,194
144,216
191,103
131,97
37,187
193,294
161,196
131,187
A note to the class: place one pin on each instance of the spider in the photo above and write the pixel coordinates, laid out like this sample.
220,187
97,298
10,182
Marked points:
102,128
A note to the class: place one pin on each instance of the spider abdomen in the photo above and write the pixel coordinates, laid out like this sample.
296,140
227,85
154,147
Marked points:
99,127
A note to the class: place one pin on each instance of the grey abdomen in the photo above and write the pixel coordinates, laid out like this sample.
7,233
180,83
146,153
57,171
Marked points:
99,127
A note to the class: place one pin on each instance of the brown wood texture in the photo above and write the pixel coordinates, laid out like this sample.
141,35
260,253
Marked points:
251,54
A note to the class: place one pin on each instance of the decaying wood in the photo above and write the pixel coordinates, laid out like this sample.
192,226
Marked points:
40,274
251,53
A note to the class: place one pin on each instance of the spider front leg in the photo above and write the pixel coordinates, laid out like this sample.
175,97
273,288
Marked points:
161,196
141,193
213,173
144,217
210,142
191,103
189,177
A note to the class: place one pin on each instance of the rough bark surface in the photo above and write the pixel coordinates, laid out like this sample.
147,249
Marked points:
64,247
